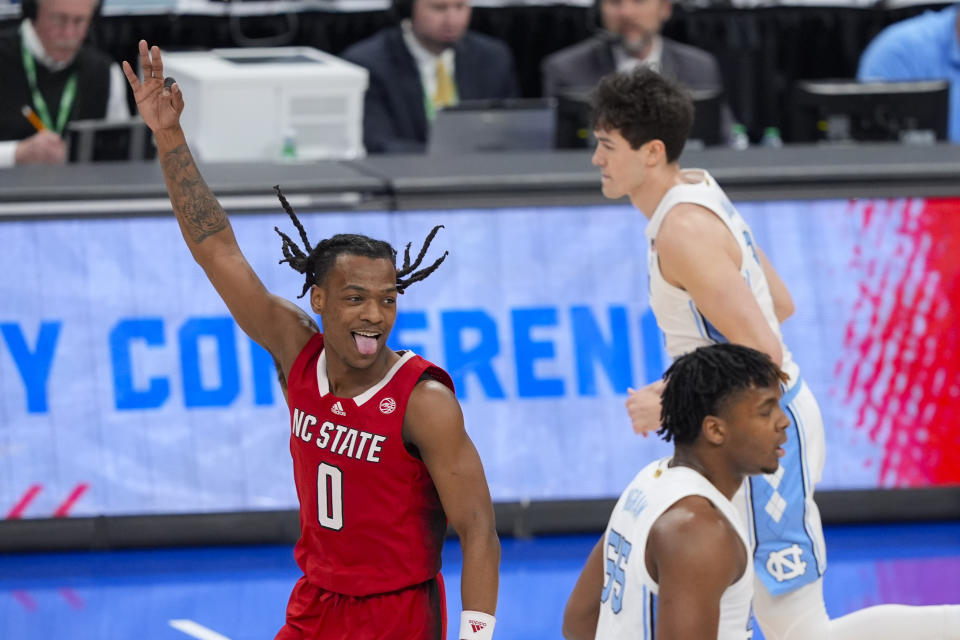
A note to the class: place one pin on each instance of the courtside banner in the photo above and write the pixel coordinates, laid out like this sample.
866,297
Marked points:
126,387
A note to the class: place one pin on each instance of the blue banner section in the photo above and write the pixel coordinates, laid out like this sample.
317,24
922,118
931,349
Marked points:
122,372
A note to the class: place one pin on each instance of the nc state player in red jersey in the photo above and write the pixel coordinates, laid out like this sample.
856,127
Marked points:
381,457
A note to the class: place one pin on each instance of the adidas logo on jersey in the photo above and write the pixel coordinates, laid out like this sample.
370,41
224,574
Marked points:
476,625
337,408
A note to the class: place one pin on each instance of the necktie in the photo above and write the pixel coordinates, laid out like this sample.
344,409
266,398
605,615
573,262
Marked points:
444,95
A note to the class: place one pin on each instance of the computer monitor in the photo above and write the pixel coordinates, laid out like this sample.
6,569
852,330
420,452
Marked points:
109,141
707,129
574,120
846,110
494,125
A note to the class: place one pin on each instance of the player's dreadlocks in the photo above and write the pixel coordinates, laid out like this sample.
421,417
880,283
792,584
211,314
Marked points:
699,383
315,262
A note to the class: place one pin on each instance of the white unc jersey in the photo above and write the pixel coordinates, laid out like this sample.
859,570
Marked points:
779,509
684,327
628,607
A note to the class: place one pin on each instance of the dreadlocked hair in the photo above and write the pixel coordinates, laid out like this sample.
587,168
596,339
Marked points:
700,383
315,262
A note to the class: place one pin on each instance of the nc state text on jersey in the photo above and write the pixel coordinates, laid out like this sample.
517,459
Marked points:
337,438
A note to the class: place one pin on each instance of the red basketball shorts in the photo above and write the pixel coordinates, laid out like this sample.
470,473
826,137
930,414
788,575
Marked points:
415,613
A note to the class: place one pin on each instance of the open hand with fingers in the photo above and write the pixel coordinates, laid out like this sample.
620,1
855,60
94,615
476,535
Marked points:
160,106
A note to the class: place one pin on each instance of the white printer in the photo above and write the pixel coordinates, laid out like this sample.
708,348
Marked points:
267,103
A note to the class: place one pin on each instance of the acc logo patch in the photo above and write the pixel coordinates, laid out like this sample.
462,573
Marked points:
388,405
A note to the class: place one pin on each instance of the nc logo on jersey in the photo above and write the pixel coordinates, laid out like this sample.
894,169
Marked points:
388,405
786,563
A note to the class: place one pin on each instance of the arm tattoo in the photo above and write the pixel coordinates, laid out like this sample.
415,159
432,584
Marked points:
197,210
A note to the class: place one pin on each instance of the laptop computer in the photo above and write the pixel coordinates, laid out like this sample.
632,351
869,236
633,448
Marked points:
109,140
494,125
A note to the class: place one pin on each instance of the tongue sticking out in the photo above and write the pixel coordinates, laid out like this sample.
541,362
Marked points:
366,345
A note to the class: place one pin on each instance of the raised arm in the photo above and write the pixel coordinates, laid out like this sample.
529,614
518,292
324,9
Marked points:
693,554
278,325
699,254
434,424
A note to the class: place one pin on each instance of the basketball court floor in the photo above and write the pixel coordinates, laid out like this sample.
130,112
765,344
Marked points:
240,593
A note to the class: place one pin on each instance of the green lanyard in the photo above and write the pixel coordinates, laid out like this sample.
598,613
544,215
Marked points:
66,100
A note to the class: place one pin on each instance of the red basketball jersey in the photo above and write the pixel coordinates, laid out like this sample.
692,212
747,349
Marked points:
370,517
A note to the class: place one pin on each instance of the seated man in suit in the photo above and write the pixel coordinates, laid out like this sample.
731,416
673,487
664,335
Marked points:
628,36
46,66
428,62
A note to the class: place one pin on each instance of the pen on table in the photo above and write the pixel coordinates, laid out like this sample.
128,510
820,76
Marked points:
34,119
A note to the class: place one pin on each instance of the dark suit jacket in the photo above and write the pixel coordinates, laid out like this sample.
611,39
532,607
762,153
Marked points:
394,118
578,68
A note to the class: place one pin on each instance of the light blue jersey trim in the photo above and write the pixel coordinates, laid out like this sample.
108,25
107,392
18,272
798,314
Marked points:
712,332
698,320
789,395
704,326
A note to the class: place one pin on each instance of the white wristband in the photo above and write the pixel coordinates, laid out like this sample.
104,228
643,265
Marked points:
476,625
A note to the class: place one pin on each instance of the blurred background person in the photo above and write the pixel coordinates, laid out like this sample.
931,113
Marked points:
429,61
627,36
924,47
46,66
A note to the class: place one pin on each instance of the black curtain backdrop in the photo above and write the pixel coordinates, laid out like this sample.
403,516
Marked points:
762,52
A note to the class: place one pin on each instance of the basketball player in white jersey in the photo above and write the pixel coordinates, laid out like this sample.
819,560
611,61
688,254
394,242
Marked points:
710,283
676,560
